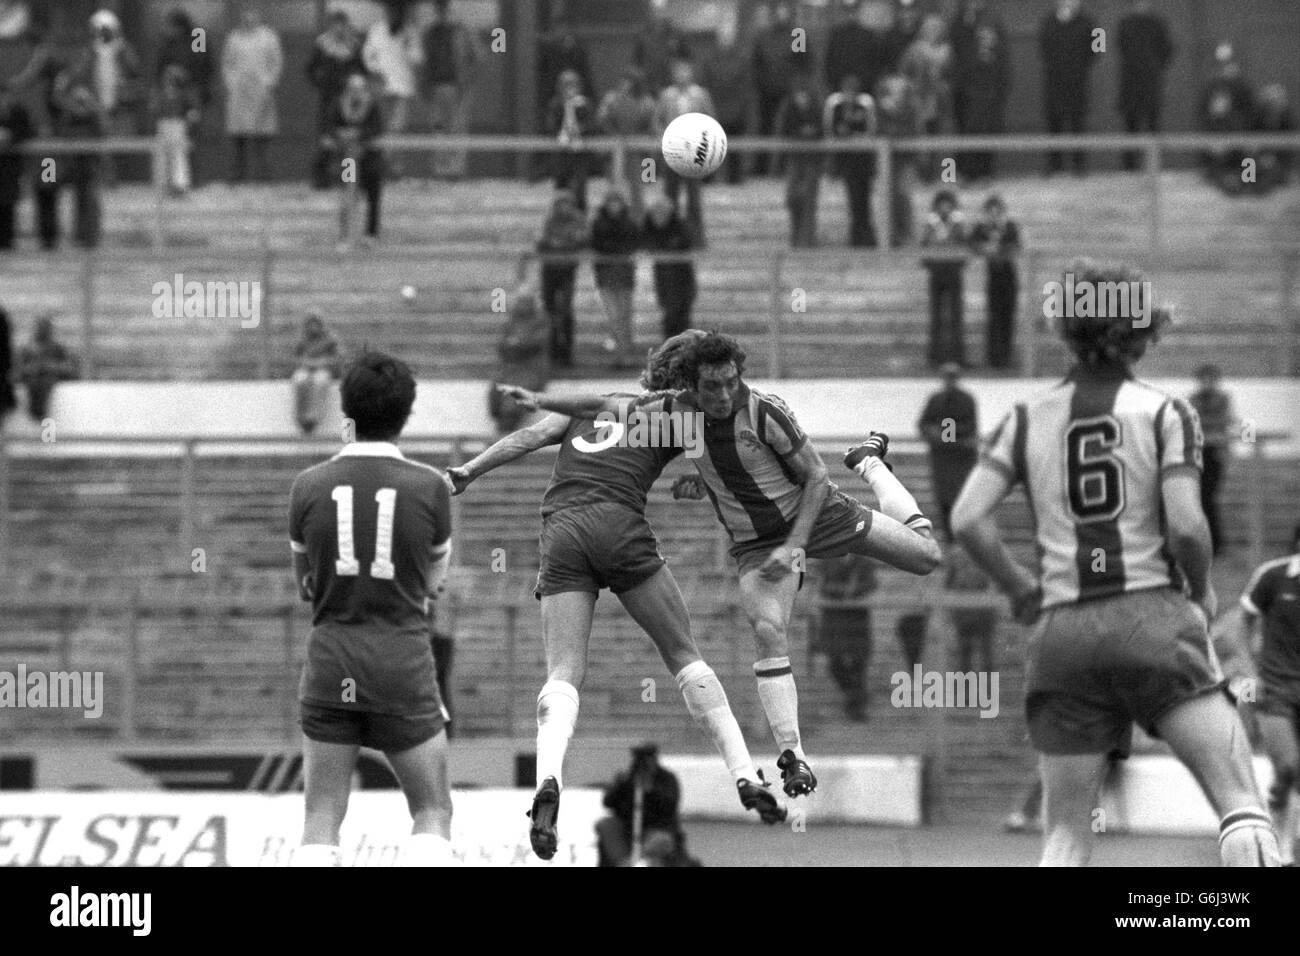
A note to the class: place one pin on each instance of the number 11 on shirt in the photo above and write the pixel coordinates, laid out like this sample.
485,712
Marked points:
347,564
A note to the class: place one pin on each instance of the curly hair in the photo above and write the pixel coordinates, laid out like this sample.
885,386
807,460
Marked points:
713,348
1104,339
662,364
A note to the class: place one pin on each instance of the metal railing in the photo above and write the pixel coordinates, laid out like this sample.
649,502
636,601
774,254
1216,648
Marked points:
1155,149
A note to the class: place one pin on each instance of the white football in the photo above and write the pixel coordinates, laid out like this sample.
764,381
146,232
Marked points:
694,145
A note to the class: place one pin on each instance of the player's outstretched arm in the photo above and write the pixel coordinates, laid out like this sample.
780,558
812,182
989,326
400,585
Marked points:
548,431
976,529
1188,536
578,405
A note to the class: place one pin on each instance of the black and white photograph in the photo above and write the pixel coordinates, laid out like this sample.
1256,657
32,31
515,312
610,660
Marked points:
650,433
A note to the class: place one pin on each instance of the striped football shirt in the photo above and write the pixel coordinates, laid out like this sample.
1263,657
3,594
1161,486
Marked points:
1091,453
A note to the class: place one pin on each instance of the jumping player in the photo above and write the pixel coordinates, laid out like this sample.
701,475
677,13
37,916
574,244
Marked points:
1111,468
771,492
1272,599
595,536
370,532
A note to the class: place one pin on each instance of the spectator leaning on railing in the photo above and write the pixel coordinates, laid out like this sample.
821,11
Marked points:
111,69
450,61
16,128
570,118
565,231
945,242
628,111
675,287
614,239
684,95
356,122
799,118
392,53
335,55
175,106
850,114
42,365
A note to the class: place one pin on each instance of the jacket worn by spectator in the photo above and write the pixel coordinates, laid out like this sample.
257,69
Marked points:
1065,49
617,236
1145,51
251,65
177,49
333,59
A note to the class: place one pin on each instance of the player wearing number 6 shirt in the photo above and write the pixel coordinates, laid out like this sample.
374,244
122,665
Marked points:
1111,469
370,532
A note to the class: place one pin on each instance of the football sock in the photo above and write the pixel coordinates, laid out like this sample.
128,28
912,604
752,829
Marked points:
1246,838
557,714
707,703
1285,820
780,701
427,849
315,854
895,500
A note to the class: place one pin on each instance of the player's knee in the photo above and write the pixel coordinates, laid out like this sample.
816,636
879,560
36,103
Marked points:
770,636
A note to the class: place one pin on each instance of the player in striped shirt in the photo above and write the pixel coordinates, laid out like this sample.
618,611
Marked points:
1122,599
771,492
595,536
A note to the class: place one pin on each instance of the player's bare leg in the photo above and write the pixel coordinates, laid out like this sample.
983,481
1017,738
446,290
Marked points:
767,605
1208,737
327,776
566,631
898,545
422,773
867,460
1283,749
1071,788
656,604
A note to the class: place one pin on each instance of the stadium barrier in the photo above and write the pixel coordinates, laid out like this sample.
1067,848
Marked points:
1272,333
1156,149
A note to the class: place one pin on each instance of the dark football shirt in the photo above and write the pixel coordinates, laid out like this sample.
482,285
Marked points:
371,523
617,460
1274,594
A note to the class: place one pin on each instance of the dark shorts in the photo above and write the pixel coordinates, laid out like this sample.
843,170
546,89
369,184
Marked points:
1095,668
391,733
590,547
841,528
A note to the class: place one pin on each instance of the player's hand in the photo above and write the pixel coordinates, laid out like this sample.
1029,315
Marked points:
689,487
778,564
459,477
522,396
306,589
1026,606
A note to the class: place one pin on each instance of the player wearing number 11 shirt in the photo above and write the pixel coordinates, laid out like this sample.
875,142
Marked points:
1111,468
370,532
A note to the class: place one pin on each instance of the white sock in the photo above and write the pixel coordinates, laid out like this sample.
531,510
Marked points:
427,849
315,854
707,703
557,715
895,500
1246,838
780,701
1285,821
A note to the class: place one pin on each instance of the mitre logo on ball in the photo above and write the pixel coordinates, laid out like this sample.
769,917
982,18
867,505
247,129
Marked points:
694,145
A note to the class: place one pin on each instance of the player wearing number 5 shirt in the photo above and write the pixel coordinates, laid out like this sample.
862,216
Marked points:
370,532
1111,469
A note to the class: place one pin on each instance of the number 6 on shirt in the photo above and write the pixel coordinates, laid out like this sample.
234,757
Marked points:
347,565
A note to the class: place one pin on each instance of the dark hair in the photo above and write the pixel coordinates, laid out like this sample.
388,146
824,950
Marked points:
713,349
944,195
378,391
663,366
1110,339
